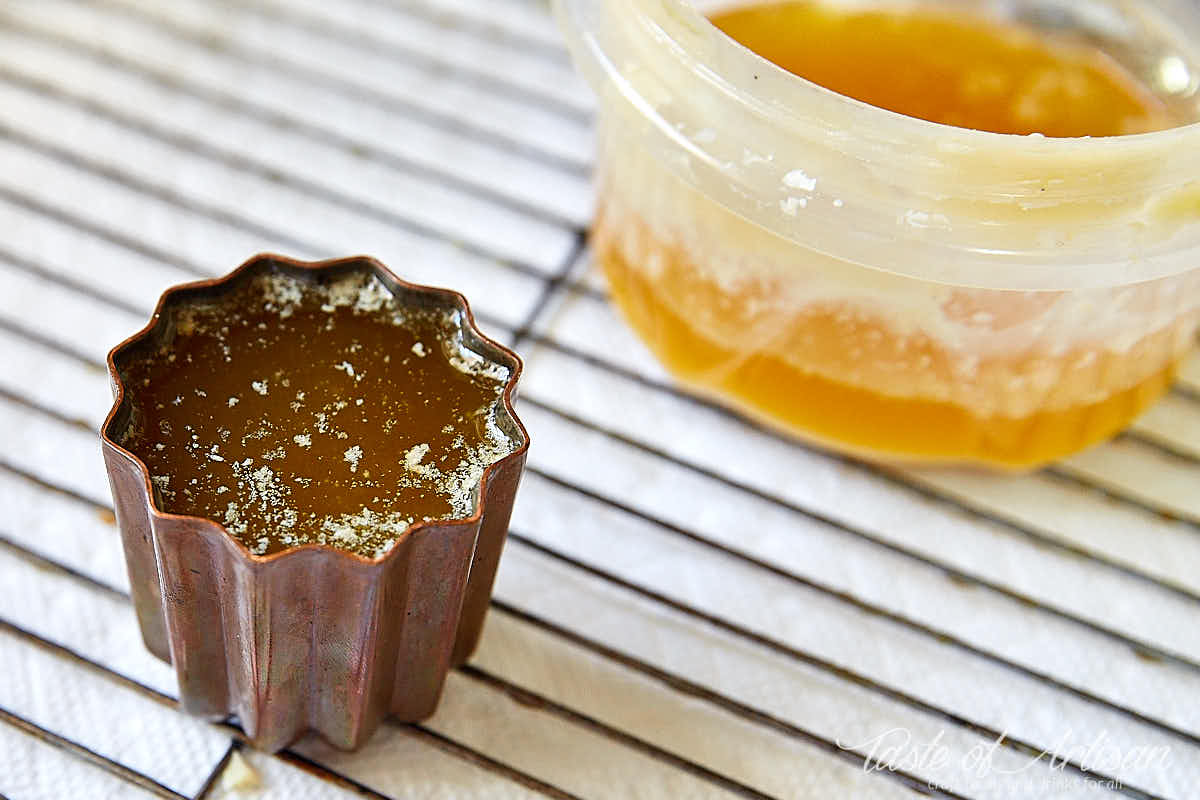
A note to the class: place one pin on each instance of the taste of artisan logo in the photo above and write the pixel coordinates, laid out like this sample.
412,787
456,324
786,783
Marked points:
1095,760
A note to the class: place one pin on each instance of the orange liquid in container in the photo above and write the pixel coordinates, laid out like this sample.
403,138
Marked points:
838,372
952,69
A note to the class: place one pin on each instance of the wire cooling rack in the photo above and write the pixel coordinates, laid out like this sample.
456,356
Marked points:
689,606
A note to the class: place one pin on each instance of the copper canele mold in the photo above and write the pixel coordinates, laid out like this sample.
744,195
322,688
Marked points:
311,638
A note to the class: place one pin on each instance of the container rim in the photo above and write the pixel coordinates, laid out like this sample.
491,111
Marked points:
804,89
1115,180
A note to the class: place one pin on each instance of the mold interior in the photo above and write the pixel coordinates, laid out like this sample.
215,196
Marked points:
297,411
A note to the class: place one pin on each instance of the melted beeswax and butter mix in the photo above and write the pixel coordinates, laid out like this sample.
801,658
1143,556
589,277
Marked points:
842,372
952,68
294,412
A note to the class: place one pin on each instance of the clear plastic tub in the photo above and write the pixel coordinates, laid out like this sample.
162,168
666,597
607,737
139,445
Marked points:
886,286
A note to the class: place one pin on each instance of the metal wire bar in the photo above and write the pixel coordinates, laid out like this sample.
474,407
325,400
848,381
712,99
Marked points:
456,125
430,64
300,123
84,753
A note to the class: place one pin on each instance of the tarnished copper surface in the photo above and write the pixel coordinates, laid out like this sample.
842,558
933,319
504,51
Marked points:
313,637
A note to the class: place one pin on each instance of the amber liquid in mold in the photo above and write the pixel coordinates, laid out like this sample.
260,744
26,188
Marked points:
294,412
833,369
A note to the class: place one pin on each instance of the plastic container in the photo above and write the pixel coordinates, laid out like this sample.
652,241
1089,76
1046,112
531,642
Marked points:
890,287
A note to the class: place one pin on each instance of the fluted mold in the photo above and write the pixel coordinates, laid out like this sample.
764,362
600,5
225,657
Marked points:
310,638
